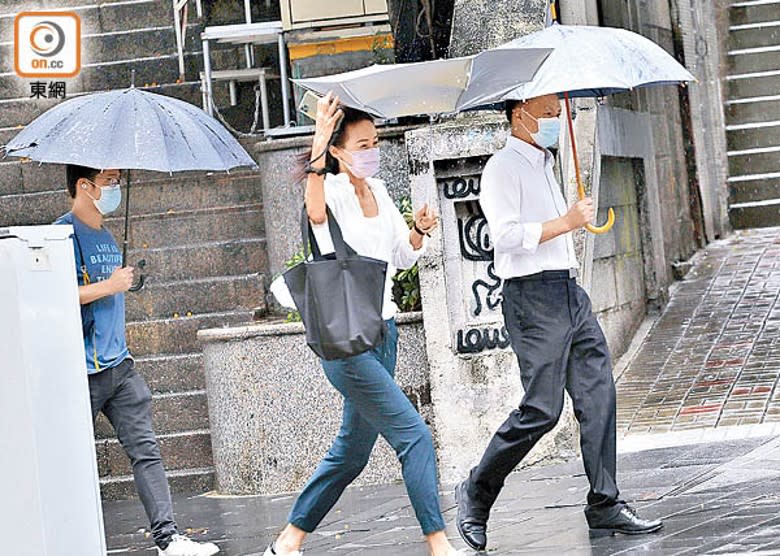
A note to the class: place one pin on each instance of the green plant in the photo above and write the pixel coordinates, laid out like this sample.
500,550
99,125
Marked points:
406,286
293,315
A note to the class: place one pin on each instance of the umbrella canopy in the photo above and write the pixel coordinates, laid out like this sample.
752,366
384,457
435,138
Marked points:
434,87
594,62
130,129
591,61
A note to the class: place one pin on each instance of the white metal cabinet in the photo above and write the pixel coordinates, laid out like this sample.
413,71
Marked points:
49,491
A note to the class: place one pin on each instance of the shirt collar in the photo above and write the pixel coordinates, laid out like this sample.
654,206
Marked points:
535,156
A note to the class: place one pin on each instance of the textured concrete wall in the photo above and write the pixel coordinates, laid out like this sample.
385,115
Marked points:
653,20
274,414
697,28
618,287
481,24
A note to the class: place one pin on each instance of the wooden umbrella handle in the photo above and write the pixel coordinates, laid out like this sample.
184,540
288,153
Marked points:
581,188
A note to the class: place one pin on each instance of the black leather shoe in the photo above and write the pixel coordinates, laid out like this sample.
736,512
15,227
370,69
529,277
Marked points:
620,518
472,529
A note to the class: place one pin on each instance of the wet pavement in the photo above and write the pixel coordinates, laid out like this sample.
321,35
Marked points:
712,359
715,498
699,414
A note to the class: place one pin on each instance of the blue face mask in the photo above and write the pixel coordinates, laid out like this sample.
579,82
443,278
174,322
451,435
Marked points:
110,198
548,133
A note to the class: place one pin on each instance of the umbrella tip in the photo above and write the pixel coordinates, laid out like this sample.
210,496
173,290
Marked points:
132,79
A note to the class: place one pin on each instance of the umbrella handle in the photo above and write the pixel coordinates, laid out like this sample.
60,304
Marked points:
141,279
581,188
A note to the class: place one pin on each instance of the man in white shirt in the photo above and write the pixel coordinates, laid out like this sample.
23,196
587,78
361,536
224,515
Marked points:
557,339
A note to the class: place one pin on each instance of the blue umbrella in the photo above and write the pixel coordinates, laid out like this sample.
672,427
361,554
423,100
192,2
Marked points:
130,129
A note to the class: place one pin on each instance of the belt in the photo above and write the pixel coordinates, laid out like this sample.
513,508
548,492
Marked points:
547,275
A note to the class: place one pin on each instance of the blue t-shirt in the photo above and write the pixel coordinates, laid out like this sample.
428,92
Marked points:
103,320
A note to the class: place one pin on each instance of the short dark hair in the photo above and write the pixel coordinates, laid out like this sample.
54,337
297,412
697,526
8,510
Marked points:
74,173
509,107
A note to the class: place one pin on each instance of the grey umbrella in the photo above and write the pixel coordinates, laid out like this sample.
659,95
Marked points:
432,87
593,62
130,129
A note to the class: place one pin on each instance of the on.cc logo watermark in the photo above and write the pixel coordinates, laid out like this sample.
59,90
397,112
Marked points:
47,44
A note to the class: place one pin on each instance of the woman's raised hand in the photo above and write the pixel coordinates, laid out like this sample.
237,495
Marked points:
426,219
328,116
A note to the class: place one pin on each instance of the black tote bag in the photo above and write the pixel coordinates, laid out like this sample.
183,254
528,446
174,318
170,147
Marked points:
339,296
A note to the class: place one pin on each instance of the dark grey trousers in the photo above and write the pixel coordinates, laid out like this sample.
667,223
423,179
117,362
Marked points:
123,396
559,346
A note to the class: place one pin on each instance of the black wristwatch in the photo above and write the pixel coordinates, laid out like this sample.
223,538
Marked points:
318,171
419,231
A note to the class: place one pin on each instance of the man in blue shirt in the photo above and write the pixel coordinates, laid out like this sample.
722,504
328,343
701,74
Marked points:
115,387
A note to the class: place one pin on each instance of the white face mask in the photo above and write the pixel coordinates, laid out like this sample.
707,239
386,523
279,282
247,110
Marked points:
548,132
110,198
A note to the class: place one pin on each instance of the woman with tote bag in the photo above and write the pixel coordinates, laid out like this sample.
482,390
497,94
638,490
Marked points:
340,185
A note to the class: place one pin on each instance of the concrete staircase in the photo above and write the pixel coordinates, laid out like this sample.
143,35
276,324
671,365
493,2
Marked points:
753,113
202,236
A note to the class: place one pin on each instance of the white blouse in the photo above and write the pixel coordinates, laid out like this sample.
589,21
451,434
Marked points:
384,236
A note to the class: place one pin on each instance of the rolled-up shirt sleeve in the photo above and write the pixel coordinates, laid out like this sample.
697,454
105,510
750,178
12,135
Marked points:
501,201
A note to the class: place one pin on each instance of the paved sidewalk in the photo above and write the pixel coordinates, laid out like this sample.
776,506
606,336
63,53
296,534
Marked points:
713,358
699,408
715,498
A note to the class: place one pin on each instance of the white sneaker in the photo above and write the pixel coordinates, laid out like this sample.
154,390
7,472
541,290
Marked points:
270,552
183,546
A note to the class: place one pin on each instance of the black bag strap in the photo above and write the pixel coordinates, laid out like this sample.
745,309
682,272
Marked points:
307,235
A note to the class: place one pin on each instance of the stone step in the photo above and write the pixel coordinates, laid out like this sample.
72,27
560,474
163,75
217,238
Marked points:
118,45
208,295
186,481
755,137
12,6
754,60
171,336
165,194
207,260
754,190
21,111
207,224
161,69
741,37
760,214
171,413
166,374
106,17
179,451
758,162
758,86
754,13
8,133
761,110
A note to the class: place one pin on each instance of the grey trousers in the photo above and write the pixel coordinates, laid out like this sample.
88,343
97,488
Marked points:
124,398
559,346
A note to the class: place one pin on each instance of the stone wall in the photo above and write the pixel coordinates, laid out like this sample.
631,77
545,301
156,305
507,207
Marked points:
481,24
699,37
274,414
682,232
